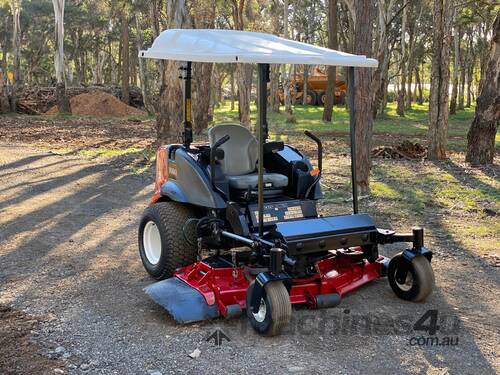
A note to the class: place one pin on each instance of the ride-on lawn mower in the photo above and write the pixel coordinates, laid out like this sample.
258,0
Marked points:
249,206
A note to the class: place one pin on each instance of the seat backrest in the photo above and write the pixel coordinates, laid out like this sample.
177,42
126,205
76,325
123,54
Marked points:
240,151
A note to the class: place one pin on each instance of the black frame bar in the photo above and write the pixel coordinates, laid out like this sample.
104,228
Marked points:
352,126
187,134
262,129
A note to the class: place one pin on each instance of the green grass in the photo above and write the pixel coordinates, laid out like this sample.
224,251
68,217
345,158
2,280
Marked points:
414,124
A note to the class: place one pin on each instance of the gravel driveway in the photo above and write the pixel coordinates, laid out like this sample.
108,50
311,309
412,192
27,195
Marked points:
69,259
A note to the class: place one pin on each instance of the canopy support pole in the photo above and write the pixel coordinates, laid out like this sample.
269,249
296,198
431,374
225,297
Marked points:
263,78
352,126
187,134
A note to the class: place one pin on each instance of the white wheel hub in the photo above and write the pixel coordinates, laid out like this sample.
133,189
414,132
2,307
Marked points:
151,241
407,285
261,314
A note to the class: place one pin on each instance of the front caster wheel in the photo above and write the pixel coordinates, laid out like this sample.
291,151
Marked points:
419,279
275,309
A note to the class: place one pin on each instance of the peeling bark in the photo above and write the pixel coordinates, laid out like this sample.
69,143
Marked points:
456,57
63,103
170,113
125,59
333,43
363,81
482,133
440,79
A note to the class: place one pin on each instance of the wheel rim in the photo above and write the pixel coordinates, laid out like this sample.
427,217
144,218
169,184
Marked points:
152,242
261,314
407,285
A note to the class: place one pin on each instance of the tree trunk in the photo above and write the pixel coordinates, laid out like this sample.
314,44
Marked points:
402,70
305,88
482,133
170,116
203,17
133,65
440,80
456,57
409,83
363,76
119,64
16,46
273,88
285,72
331,70
143,78
470,71
202,77
233,94
244,74
125,58
410,58
470,75
63,103
461,87
274,73
4,94
420,96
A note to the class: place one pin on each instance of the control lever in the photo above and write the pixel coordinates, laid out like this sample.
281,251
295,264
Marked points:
320,148
213,154
320,161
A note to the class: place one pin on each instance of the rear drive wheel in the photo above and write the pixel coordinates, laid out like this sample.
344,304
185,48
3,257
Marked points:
275,309
162,245
322,98
419,280
311,98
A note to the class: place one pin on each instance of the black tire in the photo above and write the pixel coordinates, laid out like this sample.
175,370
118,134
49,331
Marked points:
278,309
313,96
321,98
169,218
419,282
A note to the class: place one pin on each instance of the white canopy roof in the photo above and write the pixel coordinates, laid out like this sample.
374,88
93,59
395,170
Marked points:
232,46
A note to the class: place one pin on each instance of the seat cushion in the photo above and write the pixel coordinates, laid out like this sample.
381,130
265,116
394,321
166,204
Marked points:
274,180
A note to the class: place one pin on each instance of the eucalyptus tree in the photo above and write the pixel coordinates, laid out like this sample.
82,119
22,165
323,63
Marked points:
169,117
482,133
63,103
440,78
333,43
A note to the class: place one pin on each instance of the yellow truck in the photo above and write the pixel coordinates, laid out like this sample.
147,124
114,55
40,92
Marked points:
316,88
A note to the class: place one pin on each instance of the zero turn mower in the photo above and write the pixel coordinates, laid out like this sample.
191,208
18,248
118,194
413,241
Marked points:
233,223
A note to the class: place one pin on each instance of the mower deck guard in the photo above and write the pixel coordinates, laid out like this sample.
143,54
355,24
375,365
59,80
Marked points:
184,303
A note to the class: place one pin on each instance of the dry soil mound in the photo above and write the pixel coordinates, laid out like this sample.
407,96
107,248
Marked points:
99,104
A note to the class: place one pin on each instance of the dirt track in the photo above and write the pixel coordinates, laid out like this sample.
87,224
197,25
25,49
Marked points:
68,256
